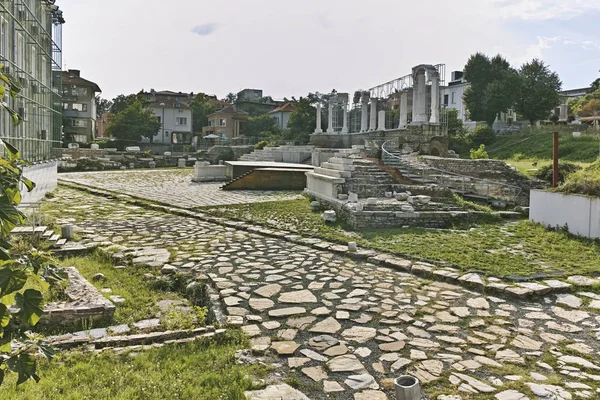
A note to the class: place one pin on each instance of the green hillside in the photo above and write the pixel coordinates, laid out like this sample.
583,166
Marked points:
537,145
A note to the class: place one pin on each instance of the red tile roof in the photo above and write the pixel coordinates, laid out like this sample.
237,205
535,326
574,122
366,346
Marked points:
287,107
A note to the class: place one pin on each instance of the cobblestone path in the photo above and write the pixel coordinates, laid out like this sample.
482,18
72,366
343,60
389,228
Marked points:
174,187
346,328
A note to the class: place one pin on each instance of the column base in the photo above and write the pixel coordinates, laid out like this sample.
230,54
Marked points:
318,131
330,130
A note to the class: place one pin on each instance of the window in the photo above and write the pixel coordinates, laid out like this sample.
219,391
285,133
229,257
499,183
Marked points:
20,50
3,37
445,99
181,121
80,123
82,91
222,122
80,107
32,64
65,106
158,119
453,97
211,123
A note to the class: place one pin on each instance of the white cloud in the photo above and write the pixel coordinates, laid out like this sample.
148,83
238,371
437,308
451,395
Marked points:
544,9
204,29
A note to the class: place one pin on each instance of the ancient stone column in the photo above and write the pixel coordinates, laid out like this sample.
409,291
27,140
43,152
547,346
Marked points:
330,118
420,114
435,99
364,112
381,120
403,110
345,110
318,128
373,120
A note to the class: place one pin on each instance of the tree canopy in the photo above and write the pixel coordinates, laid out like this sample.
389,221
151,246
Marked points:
582,107
201,109
102,106
133,123
302,121
121,102
539,91
494,87
263,126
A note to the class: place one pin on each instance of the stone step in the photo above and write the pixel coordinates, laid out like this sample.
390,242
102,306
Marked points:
338,160
333,172
61,242
326,178
54,238
338,167
47,234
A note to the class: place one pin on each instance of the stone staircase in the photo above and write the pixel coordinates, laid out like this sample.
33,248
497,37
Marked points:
42,232
466,186
369,179
290,154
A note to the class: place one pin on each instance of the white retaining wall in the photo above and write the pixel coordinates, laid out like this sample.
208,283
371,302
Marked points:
45,177
580,213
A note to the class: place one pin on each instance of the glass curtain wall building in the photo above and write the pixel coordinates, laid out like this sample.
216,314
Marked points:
30,51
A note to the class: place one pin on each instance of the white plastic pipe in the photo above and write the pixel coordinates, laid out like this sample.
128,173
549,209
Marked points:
407,388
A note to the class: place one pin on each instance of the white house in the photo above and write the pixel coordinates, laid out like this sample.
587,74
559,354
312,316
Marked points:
175,118
452,98
282,114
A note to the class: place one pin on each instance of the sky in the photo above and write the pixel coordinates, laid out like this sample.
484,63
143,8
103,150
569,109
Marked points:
290,48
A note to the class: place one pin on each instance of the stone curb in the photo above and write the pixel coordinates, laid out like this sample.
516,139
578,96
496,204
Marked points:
141,339
420,267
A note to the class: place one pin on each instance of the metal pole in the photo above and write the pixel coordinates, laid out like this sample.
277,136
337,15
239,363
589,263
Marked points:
555,161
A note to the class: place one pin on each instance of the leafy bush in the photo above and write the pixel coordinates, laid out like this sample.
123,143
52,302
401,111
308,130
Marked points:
586,181
482,135
480,153
226,154
565,168
262,144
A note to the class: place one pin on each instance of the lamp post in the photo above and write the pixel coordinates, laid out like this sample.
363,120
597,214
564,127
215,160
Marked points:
162,123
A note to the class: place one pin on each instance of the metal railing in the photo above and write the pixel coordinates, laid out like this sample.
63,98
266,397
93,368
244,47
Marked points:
463,184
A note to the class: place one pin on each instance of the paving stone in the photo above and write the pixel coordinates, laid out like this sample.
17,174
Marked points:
511,395
524,342
569,300
359,334
317,374
260,304
370,395
272,392
285,348
345,363
478,303
298,297
361,381
268,290
332,387
285,312
329,325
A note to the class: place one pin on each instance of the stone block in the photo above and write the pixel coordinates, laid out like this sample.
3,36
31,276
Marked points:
353,197
329,216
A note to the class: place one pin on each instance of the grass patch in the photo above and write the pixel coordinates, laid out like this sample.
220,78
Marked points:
490,247
202,370
139,294
537,145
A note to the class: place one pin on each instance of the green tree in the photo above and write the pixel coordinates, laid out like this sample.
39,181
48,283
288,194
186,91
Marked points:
133,123
230,98
480,153
579,106
102,106
263,126
539,91
595,85
121,102
201,109
18,347
494,87
302,121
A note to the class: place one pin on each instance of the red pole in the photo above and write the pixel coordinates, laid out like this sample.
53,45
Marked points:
555,165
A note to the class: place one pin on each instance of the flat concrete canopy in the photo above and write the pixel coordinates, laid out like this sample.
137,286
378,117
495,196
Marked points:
268,164
237,168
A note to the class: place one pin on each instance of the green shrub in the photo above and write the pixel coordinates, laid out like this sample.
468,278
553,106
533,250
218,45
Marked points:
226,154
482,135
586,181
565,168
480,153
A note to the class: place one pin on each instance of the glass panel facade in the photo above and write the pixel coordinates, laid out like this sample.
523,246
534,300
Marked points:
30,51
